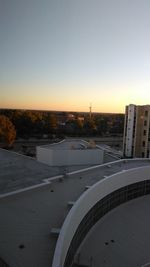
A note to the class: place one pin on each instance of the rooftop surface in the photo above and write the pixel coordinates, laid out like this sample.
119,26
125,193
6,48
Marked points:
28,217
19,172
120,238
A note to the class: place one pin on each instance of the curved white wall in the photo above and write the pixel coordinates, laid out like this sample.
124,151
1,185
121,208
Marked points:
87,201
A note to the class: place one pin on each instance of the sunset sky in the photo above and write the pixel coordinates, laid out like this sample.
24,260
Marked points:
66,54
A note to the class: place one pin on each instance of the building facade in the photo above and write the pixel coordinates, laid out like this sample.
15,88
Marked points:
136,140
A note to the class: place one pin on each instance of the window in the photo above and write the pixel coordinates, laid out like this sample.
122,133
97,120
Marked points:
143,143
146,113
144,132
145,123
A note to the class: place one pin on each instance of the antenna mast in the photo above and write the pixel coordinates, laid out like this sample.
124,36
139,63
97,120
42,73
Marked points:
90,108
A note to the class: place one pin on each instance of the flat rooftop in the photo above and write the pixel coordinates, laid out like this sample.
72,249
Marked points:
18,171
28,217
120,238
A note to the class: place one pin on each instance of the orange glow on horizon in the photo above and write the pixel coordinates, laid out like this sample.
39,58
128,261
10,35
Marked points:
106,100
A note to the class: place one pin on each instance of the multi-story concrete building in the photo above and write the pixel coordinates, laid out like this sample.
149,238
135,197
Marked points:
136,131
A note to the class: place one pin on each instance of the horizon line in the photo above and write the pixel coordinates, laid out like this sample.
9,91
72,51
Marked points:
49,110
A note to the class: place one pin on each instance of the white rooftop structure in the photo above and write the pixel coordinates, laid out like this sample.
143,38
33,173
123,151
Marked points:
40,207
70,152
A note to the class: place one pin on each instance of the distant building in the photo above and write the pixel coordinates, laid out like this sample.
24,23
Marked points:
70,116
136,131
80,118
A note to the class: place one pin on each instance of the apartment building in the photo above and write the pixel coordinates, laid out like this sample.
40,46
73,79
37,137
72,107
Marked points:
136,131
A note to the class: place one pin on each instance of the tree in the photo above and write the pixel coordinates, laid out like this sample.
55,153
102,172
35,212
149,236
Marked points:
90,126
53,122
102,125
7,131
50,123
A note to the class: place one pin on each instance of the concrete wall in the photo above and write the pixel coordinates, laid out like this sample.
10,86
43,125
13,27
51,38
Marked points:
44,155
87,201
129,130
139,149
69,157
136,131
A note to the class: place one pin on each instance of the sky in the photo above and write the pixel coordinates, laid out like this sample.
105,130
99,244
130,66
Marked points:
70,54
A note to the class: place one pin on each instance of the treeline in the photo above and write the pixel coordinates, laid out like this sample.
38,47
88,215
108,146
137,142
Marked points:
46,124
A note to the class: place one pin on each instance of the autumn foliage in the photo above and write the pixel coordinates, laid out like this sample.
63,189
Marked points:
7,131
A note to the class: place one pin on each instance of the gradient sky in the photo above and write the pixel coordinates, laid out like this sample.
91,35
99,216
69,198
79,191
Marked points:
66,54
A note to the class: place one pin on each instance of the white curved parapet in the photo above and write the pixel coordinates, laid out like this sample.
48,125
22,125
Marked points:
84,204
